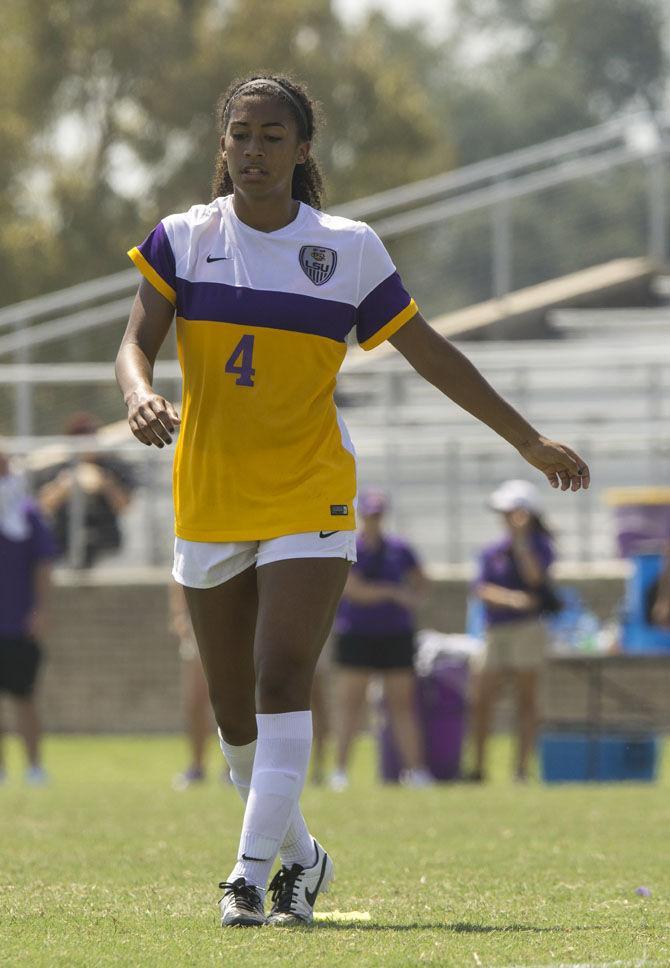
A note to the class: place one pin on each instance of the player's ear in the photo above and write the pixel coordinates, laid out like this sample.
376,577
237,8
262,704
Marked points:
222,142
302,152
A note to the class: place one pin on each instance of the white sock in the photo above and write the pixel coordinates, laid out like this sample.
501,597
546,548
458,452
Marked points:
280,767
298,845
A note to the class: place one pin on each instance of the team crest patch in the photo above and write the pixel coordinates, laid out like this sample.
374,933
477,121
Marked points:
318,263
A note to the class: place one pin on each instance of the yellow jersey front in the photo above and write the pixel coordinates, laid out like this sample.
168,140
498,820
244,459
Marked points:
262,320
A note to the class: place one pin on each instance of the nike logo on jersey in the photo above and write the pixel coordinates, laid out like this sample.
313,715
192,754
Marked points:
310,896
327,534
217,258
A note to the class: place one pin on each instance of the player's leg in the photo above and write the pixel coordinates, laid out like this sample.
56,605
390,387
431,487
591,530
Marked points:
28,728
224,623
526,694
23,679
351,692
200,712
320,726
400,695
3,772
197,715
3,687
486,693
297,602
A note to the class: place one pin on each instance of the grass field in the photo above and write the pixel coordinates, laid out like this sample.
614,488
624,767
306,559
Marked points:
109,866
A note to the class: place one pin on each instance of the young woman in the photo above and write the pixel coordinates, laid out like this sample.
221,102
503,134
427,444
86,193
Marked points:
266,288
375,626
512,584
27,550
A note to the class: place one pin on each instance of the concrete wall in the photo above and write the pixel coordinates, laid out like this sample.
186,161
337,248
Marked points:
113,666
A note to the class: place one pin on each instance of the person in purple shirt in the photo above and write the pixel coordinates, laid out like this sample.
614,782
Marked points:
26,550
375,636
513,584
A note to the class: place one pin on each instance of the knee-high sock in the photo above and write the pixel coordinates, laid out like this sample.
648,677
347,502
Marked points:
297,846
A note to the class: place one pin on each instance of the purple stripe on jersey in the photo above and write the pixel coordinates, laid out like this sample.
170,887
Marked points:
222,303
380,306
157,250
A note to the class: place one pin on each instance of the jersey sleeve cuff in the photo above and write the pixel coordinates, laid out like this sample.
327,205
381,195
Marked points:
391,327
152,276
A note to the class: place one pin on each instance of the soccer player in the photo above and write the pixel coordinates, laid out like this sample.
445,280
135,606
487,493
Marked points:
27,549
265,288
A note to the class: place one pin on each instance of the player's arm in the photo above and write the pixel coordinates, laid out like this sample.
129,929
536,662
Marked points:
41,591
415,587
519,601
364,592
152,419
439,362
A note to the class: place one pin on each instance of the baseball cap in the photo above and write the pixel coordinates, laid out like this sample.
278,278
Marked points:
372,502
512,495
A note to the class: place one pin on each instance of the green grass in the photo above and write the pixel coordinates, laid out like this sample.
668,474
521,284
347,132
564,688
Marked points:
108,866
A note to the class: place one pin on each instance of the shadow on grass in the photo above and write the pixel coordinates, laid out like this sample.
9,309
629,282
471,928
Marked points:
457,927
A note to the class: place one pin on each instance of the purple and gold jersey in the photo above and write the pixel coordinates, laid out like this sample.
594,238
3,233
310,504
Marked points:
262,319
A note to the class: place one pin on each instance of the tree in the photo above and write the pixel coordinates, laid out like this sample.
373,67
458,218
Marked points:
135,82
522,71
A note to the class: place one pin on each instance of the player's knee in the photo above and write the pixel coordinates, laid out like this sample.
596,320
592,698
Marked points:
282,689
237,728
237,733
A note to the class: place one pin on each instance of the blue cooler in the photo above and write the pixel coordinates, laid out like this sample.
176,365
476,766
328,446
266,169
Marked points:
637,635
577,757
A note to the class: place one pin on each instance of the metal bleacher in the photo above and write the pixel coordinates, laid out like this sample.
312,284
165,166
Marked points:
603,388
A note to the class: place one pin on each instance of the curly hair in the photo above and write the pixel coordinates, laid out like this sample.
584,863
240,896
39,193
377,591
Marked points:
307,178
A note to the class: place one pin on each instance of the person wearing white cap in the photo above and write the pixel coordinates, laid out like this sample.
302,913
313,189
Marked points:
512,583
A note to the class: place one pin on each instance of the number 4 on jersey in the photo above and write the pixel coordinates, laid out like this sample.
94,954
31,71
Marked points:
244,352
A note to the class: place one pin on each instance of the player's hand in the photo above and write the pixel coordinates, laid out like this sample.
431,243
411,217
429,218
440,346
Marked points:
152,418
405,596
561,466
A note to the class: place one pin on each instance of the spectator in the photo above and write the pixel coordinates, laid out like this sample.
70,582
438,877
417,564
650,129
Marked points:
26,549
375,626
513,585
104,485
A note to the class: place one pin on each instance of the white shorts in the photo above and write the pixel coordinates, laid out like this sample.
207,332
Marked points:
204,564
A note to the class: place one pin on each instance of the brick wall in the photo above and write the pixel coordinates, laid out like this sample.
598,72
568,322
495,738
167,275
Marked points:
113,666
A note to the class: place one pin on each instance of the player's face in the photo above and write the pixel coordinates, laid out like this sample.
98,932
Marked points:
261,146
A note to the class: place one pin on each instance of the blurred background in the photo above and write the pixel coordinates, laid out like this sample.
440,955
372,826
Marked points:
513,155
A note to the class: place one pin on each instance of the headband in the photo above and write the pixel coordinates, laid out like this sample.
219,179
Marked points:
281,89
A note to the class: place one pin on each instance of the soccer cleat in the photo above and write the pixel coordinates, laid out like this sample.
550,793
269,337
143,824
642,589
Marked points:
295,889
241,905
